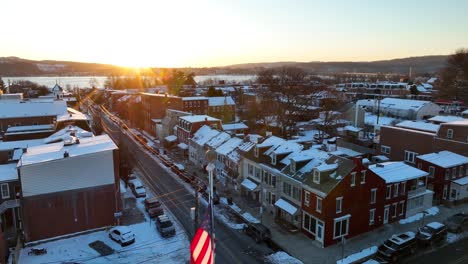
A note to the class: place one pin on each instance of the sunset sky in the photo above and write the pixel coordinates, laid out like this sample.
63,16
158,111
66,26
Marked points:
211,33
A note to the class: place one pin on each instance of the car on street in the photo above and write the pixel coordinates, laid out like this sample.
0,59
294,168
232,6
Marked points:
152,202
258,232
137,188
155,212
397,247
165,226
457,223
122,235
431,233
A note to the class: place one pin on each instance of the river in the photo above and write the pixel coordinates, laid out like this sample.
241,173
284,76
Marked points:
84,81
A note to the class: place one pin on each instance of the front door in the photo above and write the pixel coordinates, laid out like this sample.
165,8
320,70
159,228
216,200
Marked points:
385,215
319,232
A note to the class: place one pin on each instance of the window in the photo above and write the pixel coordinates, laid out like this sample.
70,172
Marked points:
316,178
385,149
403,188
250,169
447,174
273,159
460,171
419,165
309,223
318,206
431,171
395,190
287,189
449,133
353,179
410,156
454,172
402,207
258,173
371,216
341,228
389,192
373,196
5,191
363,176
394,210
256,152
293,166
296,193
339,204
306,198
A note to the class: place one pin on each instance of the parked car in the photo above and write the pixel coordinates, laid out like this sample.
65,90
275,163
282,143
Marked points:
457,222
152,203
431,233
155,212
122,235
165,226
132,177
258,232
137,188
397,247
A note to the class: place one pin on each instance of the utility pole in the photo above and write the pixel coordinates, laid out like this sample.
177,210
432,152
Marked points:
195,213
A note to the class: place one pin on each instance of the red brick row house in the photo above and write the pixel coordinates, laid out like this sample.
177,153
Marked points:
188,125
443,168
343,198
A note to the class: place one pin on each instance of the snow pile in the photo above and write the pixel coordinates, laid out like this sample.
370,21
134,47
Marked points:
281,257
250,218
226,221
358,256
431,211
452,238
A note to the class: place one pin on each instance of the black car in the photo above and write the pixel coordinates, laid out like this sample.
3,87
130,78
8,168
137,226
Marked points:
258,232
397,247
432,233
457,222
165,226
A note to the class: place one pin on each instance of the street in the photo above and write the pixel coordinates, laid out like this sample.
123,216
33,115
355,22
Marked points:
232,246
456,253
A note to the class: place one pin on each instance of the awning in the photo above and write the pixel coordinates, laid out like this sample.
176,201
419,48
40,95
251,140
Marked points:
171,138
182,146
286,206
250,185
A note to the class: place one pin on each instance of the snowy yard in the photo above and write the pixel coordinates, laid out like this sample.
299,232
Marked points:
431,211
358,256
281,257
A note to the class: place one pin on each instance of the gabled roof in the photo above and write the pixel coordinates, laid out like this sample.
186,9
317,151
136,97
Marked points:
271,141
204,134
19,108
444,159
396,171
423,126
402,104
284,148
304,155
445,119
217,140
220,101
234,126
66,133
55,151
198,118
8,172
229,146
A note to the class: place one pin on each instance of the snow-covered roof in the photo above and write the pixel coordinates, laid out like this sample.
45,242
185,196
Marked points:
198,118
463,122
217,140
435,225
341,151
432,80
461,181
19,108
171,138
229,146
30,128
182,145
246,146
327,167
396,171
371,119
220,101
465,112
445,119
8,172
66,133
423,126
444,159
271,141
194,98
402,104
285,147
204,134
9,145
235,126
72,115
304,155
286,206
250,185
55,151
352,128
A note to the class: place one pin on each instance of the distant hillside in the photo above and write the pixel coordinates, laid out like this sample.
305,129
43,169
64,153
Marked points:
14,66
424,64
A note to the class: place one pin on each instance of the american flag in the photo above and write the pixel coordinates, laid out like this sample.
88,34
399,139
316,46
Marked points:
201,248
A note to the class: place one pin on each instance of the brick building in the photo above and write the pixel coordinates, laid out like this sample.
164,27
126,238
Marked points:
188,125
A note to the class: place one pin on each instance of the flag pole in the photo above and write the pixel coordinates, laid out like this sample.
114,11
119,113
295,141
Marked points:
211,157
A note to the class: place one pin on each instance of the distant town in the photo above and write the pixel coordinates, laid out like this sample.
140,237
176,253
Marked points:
293,166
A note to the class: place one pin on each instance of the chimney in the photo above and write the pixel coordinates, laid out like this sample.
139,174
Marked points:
77,141
25,150
66,154
379,165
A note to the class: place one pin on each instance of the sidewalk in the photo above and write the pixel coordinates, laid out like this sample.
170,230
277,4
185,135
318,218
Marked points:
309,251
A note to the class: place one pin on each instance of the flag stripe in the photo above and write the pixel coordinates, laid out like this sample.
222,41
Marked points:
207,256
200,243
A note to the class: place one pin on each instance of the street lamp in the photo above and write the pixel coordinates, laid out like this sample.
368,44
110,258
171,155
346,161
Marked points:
211,157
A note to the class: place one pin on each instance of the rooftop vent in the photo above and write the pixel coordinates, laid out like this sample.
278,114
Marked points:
66,154
379,165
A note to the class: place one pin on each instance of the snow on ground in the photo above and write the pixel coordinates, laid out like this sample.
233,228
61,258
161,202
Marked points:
452,238
371,261
358,256
431,211
149,245
250,218
220,215
281,257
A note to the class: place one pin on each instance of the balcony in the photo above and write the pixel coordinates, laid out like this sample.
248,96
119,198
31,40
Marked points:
419,190
9,204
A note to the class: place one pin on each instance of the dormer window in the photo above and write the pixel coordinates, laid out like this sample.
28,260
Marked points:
256,151
273,159
293,166
316,178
